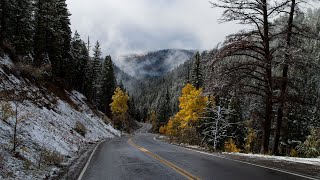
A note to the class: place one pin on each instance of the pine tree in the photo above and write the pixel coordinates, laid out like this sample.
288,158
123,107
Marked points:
164,110
52,35
197,80
96,71
234,117
108,85
6,21
42,28
63,37
79,54
23,27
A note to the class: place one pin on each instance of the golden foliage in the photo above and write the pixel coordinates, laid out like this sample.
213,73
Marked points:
230,146
250,140
163,129
119,105
192,106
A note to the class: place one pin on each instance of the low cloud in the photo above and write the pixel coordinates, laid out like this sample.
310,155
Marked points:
126,26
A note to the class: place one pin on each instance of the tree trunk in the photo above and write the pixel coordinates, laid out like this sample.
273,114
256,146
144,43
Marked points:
268,100
15,130
283,90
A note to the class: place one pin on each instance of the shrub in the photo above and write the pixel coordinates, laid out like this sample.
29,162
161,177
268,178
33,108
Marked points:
80,128
38,73
311,147
189,135
27,165
293,153
1,160
6,111
230,146
52,158
163,130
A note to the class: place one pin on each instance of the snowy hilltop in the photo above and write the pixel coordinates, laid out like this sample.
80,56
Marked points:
43,127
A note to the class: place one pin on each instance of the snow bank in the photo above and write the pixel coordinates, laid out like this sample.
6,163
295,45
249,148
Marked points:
45,123
312,161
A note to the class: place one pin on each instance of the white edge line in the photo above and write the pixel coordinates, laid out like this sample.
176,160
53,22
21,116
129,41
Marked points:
88,162
261,166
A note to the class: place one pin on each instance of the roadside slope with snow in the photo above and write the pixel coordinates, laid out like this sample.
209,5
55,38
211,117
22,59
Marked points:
46,126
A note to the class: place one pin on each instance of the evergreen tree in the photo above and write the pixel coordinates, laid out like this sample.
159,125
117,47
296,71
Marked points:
53,35
108,85
6,24
42,28
23,27
164,110
197,80
79,54
234,118
63,37
96,70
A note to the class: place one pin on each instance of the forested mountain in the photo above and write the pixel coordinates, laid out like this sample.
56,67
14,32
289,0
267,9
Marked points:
154,64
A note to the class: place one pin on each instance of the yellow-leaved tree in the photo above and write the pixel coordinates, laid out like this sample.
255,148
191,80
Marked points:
119,108
192,106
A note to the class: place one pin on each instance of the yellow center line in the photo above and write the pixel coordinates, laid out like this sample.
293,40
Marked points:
165,162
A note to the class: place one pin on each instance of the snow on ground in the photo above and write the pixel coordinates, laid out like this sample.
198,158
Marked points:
313,161
45,123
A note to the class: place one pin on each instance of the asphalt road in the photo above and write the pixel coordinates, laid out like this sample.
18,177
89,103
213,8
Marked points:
143,157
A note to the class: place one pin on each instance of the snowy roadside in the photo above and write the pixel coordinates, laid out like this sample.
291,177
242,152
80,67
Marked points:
49,141
305,166
312,161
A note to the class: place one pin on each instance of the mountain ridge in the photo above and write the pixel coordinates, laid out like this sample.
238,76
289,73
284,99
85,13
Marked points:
154,63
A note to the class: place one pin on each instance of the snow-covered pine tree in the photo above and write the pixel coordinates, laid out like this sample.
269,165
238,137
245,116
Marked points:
63,35
197,80
96,71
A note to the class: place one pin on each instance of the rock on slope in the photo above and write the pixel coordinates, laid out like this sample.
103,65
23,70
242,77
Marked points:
46,127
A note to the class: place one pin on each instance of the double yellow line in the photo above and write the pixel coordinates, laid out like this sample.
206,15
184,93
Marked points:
165,162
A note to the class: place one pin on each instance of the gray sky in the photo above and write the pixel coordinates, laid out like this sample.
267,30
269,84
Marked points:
137,26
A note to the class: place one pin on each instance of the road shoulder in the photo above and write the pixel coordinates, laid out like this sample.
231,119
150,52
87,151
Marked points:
308,170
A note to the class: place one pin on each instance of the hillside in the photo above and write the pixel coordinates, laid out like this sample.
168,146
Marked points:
53,126
154,64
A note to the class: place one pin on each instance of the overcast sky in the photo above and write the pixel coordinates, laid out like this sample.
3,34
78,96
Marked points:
137,26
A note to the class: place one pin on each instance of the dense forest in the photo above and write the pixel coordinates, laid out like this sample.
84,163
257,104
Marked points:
37,35
260,86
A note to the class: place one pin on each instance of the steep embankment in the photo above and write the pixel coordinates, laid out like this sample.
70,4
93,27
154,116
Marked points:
51,128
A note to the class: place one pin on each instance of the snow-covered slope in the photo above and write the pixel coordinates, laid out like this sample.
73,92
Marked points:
46,123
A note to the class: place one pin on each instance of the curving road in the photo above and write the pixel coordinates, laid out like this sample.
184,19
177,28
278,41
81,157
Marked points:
143,157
